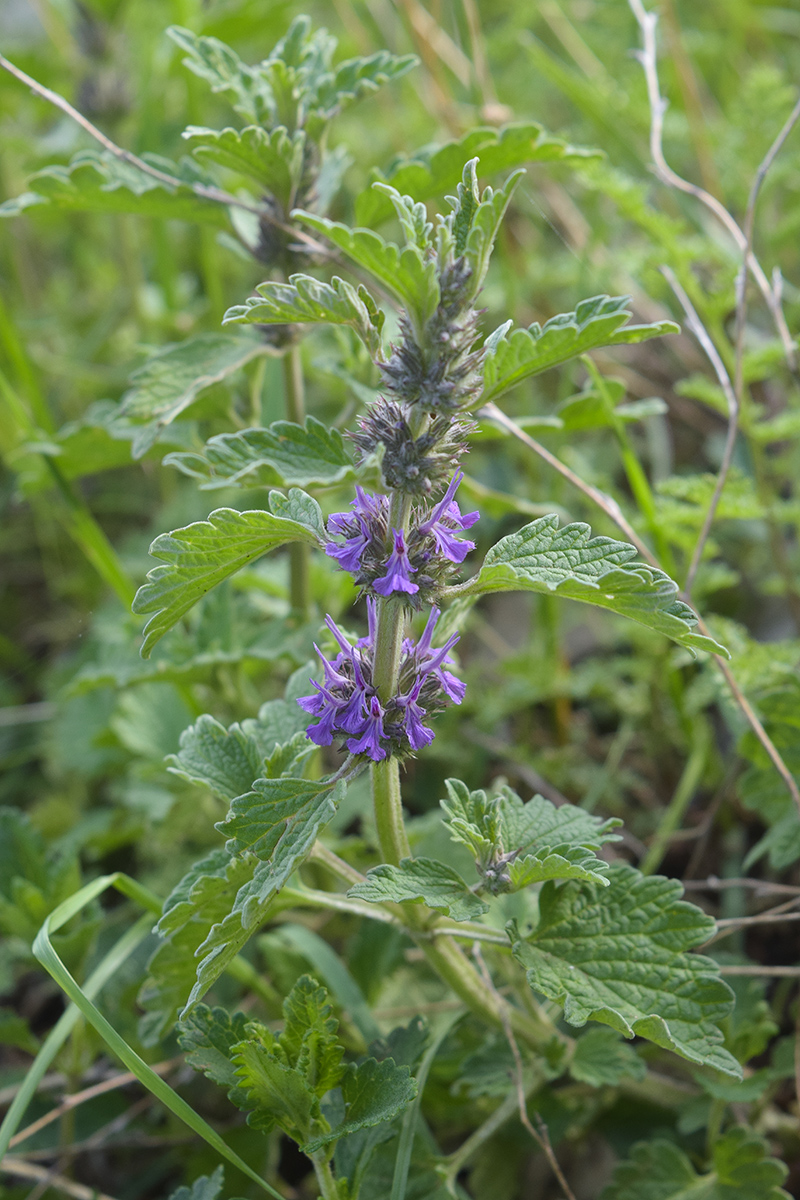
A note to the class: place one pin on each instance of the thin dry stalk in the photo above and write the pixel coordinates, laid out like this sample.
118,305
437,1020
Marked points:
77,1098
41,1175
647,56
200,189
539,1134
732,396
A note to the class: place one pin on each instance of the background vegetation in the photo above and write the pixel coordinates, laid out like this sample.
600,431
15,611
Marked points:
561,700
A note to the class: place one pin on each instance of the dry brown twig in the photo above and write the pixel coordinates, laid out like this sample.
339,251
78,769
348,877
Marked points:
539,1134
77,1098
647,56
28,1170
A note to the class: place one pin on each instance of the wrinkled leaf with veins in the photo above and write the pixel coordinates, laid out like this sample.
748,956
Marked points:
273,827
198,903
569,562
282,455
421,879
741,1169
200,556
206,1187
620,956
603,1059
173,378
407,274
518,844
599,321
430,174
221,67
99,182
228,760
273,158
207,1037
308,301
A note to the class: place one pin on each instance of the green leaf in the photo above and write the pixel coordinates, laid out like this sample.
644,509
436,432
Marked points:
206,1187
602,1059
518,844
220,66
102,183
224,760
305,300
430,174
200,556
274,826
355,78
373,1092
570,562
309,1035
199,902
659,1170
407,274
277,1094
273,158
483,222
172,379
208,1037
600,321
423,879
620,956
282,455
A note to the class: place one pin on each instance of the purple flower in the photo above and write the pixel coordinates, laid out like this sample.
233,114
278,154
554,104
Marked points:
358,528
370,741
445,520
431,662
398,570
418,735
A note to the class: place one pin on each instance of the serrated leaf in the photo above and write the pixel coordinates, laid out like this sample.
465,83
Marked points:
196,905
282,455
309,301
431,174
518,844
201,555
424,879
600,321
273,158
562,862
620,956
208,1037
659,1170
173,378
274,826
373,1092
602,1059
309,1035
206,1187
277,1094
222,68
358,77
224,760
483,228
569,562
407,274
102,183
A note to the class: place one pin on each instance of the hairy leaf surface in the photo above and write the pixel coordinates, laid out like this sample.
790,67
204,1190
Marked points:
99,182
600,321
273,158
425,879
282,455
200,556
305,300
620,956
569,562
406,273
173,378
429,175
660,1170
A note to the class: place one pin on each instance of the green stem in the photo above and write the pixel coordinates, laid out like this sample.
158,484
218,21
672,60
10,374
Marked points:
676,809
294,398
325,1179
388,806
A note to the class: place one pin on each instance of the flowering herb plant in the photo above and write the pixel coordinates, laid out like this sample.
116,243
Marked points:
549,979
